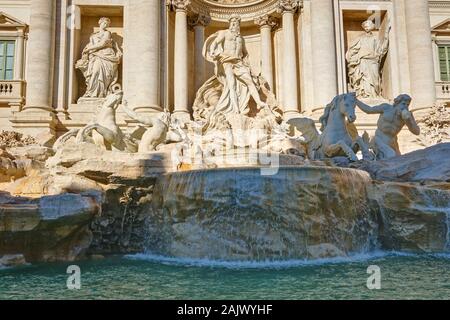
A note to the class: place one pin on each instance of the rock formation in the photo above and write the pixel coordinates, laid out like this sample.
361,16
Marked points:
51,228
127,203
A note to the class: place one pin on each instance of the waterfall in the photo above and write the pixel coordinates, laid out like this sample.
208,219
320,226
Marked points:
238,214
448,230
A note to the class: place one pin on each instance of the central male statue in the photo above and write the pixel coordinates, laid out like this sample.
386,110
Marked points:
230,89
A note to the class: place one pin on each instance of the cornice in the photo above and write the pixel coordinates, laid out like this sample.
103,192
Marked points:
248,11
439,4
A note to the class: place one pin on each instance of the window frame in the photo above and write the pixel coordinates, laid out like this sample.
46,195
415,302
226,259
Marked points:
439,42
5,58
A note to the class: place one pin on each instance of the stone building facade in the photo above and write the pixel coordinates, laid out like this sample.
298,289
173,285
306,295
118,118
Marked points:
303,48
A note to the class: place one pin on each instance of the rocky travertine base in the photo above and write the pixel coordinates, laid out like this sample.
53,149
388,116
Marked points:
87,201
12,260
427,165
412,217
52,228
10,139
239,214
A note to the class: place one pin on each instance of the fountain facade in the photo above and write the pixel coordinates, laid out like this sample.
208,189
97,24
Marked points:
290,191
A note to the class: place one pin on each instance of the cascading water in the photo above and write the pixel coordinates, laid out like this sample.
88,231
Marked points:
448,232
239,214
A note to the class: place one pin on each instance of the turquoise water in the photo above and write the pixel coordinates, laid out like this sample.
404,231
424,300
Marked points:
149,277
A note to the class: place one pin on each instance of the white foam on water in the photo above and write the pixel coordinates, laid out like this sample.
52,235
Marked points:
441,255
267,264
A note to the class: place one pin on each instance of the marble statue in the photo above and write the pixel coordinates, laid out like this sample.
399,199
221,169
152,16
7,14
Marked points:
100,62
234,84
392,120
103,130
335,140
160,129
364,58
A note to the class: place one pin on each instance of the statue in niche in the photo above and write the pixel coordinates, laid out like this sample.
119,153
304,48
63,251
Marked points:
364,58
100,62
229,92
392,120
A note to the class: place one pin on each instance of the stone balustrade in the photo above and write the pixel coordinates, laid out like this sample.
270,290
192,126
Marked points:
443,90
12,92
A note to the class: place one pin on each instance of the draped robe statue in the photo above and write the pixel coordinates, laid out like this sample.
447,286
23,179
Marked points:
100,63
364,59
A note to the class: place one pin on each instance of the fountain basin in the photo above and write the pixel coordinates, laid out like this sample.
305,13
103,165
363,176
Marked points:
240,214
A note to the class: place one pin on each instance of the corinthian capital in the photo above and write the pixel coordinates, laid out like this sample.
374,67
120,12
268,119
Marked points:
288,5
266,20
197,19
181,5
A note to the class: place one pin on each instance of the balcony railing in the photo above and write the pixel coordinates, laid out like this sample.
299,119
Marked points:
12,92
443,90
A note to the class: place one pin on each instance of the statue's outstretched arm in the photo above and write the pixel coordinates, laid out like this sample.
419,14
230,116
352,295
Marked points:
148,121
368,109
384,45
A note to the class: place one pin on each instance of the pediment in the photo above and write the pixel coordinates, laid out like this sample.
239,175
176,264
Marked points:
8,21
443,26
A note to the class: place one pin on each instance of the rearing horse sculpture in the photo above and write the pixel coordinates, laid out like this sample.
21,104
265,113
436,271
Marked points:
335,140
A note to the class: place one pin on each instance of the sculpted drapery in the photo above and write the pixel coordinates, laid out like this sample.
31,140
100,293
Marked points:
233,85
100,62
364,59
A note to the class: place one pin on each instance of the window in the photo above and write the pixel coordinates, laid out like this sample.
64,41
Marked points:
444,62
7,48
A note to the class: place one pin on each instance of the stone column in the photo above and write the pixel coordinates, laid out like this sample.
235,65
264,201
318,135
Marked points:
181,109
324,52
198,22
266,23
38,118
421,65
40,62
142,55
288,8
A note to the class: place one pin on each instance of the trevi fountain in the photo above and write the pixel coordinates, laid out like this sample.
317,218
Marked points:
241,184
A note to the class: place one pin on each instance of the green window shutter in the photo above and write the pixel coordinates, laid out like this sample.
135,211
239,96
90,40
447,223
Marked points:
7,53
444,62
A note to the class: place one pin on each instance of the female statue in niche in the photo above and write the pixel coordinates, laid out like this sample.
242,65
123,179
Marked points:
364,59
100,62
